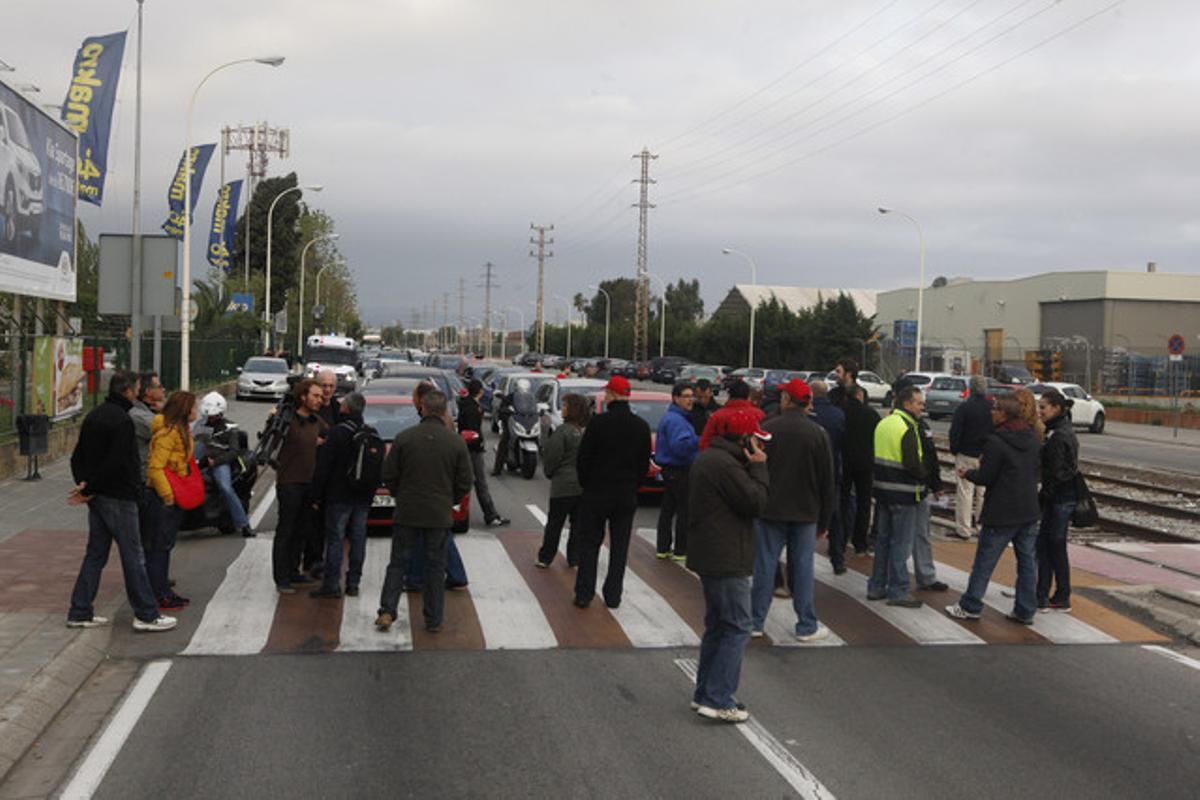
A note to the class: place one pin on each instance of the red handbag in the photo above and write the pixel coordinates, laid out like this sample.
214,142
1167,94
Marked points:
189,490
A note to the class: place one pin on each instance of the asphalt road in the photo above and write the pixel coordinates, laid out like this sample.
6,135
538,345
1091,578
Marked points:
867,721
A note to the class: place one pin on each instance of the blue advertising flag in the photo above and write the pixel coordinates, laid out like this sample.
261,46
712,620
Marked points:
200,155
224,224
89,106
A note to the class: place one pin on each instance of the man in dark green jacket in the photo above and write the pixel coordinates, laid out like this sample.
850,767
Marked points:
427,470
728,489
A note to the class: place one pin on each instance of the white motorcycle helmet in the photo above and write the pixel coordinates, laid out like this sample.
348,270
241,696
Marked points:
212,404
523,385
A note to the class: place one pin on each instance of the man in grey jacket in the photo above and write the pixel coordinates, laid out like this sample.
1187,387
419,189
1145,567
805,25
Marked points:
149,402
427,470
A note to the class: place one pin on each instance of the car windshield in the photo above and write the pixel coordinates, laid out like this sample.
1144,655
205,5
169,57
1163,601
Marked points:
524,403
329,355
917,380
391,386
16,131
271,365
948,384
534,382
390,419
649,410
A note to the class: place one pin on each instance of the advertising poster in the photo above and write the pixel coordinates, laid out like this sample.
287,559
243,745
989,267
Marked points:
37,200
58,376
224,224
198,159
88,108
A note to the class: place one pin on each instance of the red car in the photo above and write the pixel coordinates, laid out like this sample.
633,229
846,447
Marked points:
389,415
650,406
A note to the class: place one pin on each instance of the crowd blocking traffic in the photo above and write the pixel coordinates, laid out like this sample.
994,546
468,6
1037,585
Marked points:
762,477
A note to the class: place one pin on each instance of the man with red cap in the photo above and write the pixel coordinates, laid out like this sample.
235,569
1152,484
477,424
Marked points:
798,511
739,400
614,455
728,489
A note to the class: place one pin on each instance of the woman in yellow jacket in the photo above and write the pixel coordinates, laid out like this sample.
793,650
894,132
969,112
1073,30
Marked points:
170,449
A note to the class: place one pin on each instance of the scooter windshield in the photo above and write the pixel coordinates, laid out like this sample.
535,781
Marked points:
524,403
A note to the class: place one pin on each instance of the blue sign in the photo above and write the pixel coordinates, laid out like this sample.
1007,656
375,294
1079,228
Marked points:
199,162
224,224
89,106
904,332
241,301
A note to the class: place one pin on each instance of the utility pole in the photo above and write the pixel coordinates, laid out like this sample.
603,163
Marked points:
641,314
488,284
135,319
462,320
541,241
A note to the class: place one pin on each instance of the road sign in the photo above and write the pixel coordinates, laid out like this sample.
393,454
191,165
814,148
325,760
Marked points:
1175,345
1176,357
240,302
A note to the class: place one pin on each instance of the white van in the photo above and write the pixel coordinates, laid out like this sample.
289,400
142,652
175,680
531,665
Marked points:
334,352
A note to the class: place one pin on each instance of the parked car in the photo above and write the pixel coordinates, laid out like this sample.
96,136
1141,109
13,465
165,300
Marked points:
696,372
261,376
402,380
549,397
921,379
389,414
875,387
665,369
1086,411
753,376
944,394
650,406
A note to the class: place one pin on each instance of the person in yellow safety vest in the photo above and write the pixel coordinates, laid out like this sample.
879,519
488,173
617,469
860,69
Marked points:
898,486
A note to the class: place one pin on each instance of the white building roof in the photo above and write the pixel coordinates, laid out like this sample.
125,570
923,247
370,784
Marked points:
796,298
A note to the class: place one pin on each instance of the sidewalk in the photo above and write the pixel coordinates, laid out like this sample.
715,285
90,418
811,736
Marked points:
1153,433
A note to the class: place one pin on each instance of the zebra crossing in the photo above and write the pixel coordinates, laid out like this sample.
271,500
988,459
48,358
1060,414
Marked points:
511,605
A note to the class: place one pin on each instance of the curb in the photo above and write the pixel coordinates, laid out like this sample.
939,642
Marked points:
25,717
1185,626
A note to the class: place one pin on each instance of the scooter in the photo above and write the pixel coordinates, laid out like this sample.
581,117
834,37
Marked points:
523,428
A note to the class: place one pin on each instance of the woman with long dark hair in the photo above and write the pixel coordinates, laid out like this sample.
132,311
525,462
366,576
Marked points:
1060,466
558,462
170,449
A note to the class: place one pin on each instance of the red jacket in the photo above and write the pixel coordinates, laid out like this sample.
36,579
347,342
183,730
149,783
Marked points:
716,423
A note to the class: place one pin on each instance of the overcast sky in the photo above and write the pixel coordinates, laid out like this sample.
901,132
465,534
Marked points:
442,128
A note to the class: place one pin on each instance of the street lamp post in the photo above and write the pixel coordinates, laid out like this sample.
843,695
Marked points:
567,303
729,251
521,312
607,314
317,293
662,315
920,282
267,305
300,305
185,321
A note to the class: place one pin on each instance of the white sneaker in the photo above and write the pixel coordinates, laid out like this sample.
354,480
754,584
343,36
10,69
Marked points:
958,612
820,633
94,622
162,623
735,714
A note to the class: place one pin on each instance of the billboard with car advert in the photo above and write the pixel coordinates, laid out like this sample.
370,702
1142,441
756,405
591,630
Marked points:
37,200
58,376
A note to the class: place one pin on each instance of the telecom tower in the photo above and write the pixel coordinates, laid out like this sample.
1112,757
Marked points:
259,140
641,314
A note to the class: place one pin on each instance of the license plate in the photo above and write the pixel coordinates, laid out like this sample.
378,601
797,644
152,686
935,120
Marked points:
383,501
529,446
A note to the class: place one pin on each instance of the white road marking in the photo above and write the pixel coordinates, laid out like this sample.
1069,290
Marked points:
508,611
647,619
780,623
1058,628
238,619
358,631
95,765
264,505
798,776
1178,658
924,625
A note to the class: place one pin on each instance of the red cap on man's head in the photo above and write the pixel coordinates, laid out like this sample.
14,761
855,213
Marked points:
618,385
798,390
745,423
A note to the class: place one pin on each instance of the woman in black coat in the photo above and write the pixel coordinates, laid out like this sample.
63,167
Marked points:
1060,466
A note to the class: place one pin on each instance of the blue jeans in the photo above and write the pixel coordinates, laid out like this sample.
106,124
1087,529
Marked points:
801,541
222,475
456,571
992,541
726,631
893,545
1053,567
111,519
348,520
922,549
158,557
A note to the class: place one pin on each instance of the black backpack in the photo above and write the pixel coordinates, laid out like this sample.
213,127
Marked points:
367,451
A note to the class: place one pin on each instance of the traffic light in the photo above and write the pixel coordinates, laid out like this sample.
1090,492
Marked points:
1033,363
1056,365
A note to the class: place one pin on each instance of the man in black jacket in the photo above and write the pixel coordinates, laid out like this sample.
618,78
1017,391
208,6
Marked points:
105,466
969,430
470,418
614,455
728,489
704,405
799,510
858,467
344,505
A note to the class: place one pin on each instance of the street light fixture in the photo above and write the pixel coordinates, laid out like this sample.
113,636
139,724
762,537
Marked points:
270,214
607,314
921,280
729,251
300,305
567,303
185,322
520,311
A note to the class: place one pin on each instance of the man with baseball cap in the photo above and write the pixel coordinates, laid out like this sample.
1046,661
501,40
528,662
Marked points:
739,400
798,511
613,457
728,489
